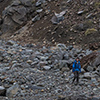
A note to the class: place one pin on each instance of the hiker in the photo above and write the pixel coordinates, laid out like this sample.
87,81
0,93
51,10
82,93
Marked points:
76,68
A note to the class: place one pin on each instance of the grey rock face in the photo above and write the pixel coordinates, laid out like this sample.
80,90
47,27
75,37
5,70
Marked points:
16,14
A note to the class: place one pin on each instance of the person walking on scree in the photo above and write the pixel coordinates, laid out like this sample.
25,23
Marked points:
76,69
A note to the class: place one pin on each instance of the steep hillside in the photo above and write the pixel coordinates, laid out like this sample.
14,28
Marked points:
78,26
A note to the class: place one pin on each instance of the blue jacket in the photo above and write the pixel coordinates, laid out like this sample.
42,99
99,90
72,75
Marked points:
76,66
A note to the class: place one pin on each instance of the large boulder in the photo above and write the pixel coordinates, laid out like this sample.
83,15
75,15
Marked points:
96,62
92,59
16,14
19,17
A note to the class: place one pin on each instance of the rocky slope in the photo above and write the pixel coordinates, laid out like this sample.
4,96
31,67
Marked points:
34,62
30,73
72,22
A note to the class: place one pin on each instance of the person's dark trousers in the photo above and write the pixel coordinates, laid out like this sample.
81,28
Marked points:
76,76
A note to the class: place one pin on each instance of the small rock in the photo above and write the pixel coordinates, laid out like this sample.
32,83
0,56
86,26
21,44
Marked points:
70,61
61,97
36,18
82,70
87,75
80,12
26,3
88,16
1,33
61,46
17,65
89,68
2,91
58,17
1,21
46,67
66,69
12,90
10,42
95,89
93,80
63,63
39,10
88,52
15,3
66,56
98,70
43,58
42,63
34,87
69,1
34,63
39,2
70,47
29,61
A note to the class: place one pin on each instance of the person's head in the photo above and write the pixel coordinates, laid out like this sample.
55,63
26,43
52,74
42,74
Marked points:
77,59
